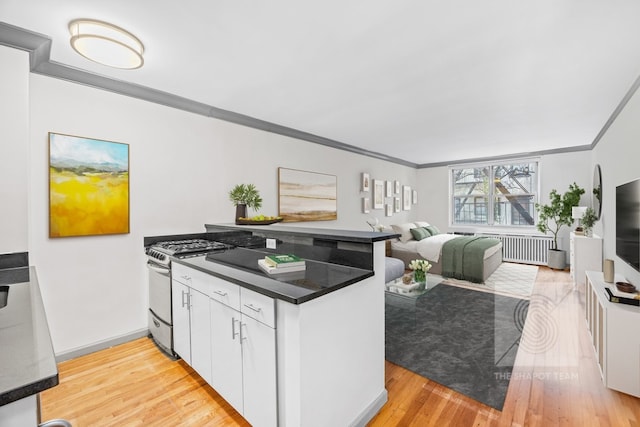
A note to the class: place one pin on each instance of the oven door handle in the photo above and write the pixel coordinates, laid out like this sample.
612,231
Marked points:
157,269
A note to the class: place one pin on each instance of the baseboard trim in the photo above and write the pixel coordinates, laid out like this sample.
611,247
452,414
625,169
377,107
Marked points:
371,410
101,345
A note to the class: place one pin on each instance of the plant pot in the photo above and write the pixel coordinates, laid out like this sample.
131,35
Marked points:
241,211
419,276
556,259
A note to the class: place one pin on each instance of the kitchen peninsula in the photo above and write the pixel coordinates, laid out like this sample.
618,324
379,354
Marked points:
304,350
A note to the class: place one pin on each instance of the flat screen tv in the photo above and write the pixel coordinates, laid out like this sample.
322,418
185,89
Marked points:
628,223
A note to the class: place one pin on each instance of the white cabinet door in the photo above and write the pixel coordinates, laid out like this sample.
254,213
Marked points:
259,372
181,327
226,353
200,334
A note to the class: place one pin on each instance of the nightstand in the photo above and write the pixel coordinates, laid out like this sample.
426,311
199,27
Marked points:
585,253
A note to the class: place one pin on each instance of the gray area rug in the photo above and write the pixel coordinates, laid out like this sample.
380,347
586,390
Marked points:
463,339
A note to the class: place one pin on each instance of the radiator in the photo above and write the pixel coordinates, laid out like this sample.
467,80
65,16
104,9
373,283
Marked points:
524,249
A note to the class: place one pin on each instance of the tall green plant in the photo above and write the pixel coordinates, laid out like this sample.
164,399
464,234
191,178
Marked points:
552,216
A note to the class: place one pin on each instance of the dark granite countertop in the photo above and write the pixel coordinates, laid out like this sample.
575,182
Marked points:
27,361
240,265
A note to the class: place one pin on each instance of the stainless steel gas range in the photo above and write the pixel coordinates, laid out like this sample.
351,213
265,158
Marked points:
159,256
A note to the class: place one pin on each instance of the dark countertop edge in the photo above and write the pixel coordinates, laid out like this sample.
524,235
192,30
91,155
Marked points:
332,289
320,233
42,384
28,389
267,292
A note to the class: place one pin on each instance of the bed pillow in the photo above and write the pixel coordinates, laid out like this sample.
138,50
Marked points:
420,233
421,224
432,229
403,231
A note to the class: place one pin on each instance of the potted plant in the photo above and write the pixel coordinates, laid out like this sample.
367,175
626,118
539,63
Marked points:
552,216
588,221
243,196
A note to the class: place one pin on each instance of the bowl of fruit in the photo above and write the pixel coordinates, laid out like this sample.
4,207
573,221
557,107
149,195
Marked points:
258,220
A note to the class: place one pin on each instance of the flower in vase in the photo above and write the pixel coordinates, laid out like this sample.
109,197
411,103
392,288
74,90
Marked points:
420,268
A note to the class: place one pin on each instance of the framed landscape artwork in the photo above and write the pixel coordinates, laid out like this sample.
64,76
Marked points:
396,204
389,190
389,209
88,186
307,196
378,194
396,189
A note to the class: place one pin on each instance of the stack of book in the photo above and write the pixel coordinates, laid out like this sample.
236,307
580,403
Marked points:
614,295
278,264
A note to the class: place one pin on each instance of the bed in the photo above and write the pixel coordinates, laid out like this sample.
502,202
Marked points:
413,244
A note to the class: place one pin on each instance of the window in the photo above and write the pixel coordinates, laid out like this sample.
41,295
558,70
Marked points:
495,194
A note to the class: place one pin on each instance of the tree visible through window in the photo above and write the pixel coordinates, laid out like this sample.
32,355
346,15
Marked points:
497,194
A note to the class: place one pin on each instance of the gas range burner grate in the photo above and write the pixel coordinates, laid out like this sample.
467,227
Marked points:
181,247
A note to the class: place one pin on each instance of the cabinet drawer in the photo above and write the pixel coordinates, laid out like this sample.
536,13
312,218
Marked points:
179,273
193,278
225,292
258,306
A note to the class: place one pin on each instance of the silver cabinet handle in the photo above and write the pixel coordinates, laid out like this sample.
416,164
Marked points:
242,337
254,308
222,294
185,302
233,328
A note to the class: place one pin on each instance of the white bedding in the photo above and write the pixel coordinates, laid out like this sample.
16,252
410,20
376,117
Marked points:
431,247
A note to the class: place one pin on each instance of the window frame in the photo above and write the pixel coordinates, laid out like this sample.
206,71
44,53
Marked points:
493,195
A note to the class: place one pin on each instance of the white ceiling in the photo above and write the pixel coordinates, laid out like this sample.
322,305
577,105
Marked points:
424,81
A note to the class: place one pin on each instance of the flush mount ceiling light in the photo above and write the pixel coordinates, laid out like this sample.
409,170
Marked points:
106,44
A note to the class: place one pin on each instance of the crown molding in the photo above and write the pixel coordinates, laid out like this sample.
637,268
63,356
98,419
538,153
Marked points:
507,156
39,48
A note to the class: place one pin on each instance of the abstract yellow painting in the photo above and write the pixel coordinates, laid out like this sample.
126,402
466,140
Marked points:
88,186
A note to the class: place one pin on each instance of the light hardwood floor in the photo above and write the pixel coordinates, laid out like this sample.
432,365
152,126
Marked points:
555,382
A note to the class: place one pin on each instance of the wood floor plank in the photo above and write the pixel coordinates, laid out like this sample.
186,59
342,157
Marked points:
556,382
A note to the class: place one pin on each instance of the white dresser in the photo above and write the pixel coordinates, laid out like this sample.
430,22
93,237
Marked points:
585,254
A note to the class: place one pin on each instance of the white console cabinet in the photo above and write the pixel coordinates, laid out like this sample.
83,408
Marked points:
614,339
585,253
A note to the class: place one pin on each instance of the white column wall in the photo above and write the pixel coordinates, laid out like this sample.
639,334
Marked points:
14,149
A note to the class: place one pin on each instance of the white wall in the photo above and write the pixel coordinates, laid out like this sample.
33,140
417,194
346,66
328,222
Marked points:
14,149
556,171
181,168
618,154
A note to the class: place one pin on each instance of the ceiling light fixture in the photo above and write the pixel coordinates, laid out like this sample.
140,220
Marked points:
106,44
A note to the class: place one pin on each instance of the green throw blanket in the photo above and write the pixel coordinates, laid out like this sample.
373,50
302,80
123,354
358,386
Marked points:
463,257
